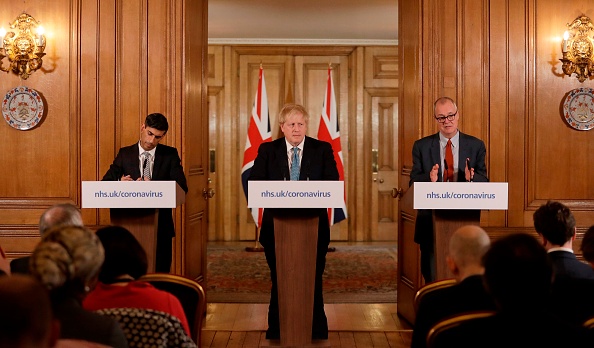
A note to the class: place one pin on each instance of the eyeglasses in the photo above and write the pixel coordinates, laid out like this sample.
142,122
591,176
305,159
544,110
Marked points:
442,118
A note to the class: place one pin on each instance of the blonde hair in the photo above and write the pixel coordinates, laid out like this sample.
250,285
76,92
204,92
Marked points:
290,109
67,256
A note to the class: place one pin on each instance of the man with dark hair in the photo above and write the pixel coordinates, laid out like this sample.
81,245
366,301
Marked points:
149,160
60,214
555,226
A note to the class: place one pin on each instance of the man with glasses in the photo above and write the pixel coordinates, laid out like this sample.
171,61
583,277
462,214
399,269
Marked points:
448,155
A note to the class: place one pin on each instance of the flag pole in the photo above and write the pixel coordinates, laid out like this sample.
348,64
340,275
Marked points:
257,246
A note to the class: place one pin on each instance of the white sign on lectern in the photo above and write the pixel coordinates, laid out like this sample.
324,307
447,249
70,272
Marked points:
295,194
461,195
131,194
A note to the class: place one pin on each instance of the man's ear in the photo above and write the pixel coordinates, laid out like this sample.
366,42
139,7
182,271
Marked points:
452,265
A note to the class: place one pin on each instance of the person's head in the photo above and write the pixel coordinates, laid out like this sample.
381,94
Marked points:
153,130
555,223
60,214
67,261
123,254
588,245
466,248
445,108
293,120
518,272
26,319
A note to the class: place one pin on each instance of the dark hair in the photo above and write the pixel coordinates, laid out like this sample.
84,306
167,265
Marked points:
555,222
588,245
123,254
157,121
518,272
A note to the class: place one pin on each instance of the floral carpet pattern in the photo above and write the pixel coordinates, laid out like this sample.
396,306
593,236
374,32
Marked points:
354,274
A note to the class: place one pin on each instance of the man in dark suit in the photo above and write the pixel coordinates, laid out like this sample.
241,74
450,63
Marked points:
149,160
429,153
555,225
466,248
315,162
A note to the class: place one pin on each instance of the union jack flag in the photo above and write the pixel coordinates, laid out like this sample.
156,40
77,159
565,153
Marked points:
258,133
329,132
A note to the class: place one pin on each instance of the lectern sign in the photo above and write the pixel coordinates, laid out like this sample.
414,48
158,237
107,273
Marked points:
295,194
131,194
461,195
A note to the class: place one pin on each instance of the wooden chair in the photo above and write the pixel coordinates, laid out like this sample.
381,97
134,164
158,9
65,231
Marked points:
146,328
190,294
427,288
443,327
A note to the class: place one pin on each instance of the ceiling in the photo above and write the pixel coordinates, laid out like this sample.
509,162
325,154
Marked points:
314,21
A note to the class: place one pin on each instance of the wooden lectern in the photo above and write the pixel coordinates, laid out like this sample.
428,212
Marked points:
296,239
445,222
135,206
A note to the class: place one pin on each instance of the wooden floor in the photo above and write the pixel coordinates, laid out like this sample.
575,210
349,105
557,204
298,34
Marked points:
350,325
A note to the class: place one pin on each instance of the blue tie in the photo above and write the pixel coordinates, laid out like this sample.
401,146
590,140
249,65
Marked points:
295,164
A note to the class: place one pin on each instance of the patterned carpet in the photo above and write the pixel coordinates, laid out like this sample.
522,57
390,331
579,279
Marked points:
354,274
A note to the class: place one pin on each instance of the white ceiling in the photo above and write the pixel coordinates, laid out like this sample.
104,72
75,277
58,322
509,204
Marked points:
291,21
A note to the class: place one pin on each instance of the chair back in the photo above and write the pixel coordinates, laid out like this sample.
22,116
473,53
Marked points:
189,293
441,329
427,288
146,328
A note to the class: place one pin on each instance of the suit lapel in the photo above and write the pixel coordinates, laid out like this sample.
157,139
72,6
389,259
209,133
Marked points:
135,159
283,163
308,153
158,163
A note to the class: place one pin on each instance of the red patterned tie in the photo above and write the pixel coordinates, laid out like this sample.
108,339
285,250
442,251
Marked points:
449,157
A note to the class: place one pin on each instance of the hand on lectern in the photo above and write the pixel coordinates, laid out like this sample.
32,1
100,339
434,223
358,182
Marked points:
433,173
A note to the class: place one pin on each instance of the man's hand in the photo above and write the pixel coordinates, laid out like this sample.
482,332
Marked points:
433,173
468,172
126,178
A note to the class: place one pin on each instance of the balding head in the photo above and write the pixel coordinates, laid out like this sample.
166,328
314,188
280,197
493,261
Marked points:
60,214
467,246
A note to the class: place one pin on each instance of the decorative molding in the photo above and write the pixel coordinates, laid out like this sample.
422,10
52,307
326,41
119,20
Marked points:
313,42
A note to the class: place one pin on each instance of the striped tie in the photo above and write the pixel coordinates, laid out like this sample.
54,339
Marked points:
146,166
295,164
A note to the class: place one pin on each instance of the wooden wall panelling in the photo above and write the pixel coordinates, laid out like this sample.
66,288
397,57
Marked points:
40,165
555,148
360,198
189,85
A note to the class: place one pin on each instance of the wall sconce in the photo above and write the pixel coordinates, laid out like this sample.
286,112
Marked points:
578,48
23,46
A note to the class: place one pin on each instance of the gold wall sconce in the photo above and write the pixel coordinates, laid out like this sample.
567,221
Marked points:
578,48
23,45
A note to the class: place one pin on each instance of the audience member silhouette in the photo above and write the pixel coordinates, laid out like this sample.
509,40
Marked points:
555,226
26,319
466,248
118,287
67,262
59,214
518,274
572,297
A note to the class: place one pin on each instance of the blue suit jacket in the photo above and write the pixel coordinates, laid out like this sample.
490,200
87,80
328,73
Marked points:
425,155
167,166
272,163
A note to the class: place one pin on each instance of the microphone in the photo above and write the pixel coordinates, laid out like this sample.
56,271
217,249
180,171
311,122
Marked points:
307,170
445,170
286,171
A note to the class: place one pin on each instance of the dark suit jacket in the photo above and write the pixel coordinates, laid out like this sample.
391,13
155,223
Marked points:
167,166
566,264
20,265
272,163
572,299
468,295
425,155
